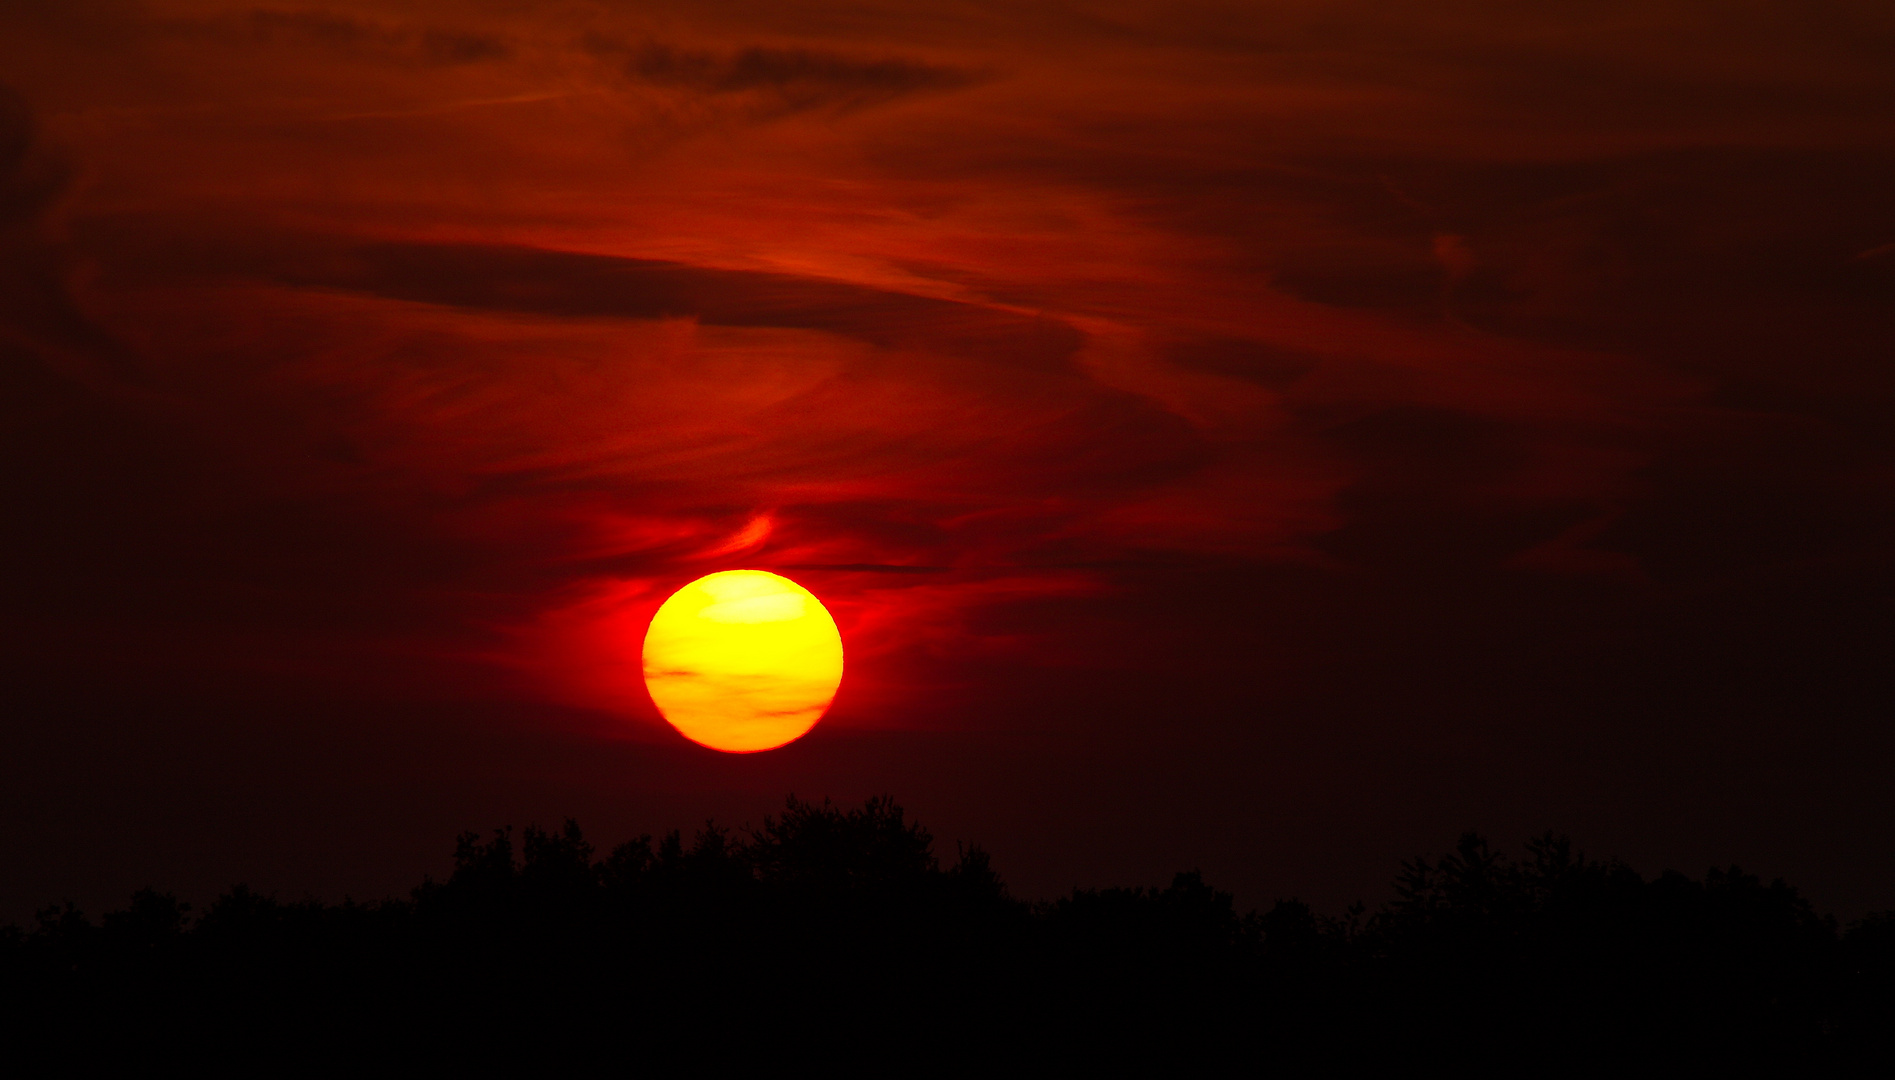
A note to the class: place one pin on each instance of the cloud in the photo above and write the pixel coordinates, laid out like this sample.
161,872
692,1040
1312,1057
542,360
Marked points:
345,33
575,284
28,185
792,79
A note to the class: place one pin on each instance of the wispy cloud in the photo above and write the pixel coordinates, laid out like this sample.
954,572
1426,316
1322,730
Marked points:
791,79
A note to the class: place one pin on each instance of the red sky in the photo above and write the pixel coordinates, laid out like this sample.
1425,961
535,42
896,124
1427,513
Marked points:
1269,437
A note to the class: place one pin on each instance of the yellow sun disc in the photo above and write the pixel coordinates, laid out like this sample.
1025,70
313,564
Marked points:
742,661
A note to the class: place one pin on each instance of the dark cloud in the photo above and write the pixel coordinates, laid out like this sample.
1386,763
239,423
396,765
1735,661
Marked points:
27,186
362,36
1262,362
570,284
581,285
790,79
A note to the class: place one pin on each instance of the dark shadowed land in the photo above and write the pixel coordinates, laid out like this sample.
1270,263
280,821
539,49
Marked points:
834,937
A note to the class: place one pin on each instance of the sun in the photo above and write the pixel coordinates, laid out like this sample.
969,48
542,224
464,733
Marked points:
743,660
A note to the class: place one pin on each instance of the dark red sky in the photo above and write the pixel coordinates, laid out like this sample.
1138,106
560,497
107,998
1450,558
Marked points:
1268,437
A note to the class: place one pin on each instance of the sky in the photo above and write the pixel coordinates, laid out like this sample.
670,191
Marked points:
1265,437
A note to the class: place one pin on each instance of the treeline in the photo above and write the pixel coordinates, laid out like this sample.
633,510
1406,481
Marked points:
837,937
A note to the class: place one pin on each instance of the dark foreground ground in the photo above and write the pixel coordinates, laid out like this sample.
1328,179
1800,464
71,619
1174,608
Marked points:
837,940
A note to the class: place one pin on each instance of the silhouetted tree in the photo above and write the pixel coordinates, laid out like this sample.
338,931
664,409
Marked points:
830,933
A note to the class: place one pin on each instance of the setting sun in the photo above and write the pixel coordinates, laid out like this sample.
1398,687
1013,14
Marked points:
742,660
